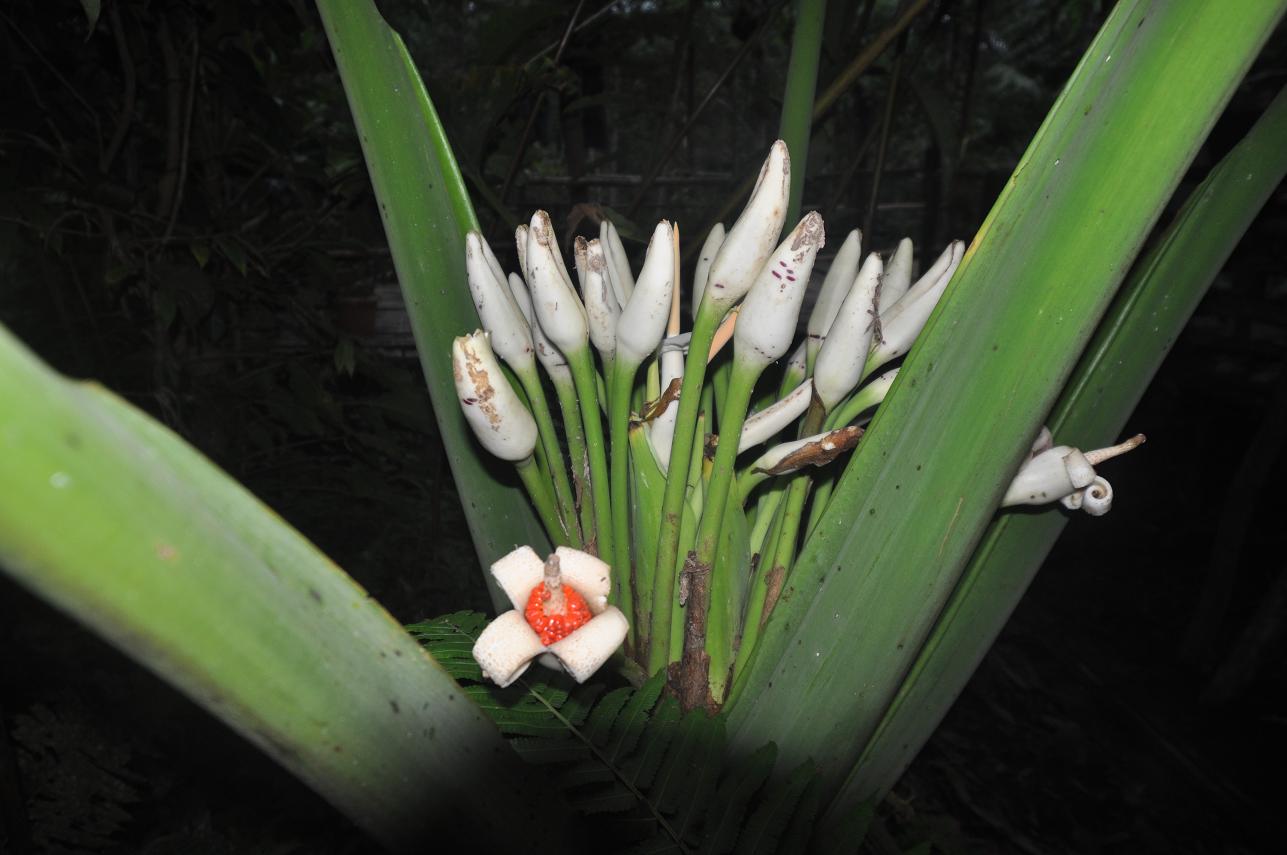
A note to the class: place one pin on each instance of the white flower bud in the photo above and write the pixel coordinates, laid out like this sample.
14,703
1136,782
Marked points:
843,354
511,338
643,319
494,412
750,242
618,271
550,357
601,307
898,275
771,420
766,324
580,247
520,244
1048,477
835,287
558,308
900,326
713,242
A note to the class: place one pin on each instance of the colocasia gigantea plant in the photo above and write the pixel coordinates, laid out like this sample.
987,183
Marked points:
697,579
805,540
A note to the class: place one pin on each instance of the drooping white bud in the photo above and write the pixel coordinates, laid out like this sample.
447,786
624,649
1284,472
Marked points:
601,307
771,420
835,287
710,247
843,354
619,275
643,319
766,325
511,339
898,275
550,357
900,326
815,450
558,308
750,242
1061,471
492,409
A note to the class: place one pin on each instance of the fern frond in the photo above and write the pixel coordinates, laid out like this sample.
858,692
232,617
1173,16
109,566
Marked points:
654,780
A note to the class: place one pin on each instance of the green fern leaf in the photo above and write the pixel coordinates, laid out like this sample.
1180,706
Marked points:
599,725
699,785
773,811
542,751
795,841
678,768
641,767
844,837
740,785
523,709
634,717
450,640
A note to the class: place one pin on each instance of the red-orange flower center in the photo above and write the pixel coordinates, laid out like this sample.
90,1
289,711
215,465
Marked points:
553,624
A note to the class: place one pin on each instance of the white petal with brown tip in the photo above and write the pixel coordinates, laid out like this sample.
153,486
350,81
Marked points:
517,573
498,418
506,648
584,651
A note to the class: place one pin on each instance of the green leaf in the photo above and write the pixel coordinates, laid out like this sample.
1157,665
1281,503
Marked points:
629,726
93,8
114,519
773,812
426,213
740,785
925,481
1154,306
797,102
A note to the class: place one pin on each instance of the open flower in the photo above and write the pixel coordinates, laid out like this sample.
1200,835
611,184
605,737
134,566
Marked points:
560,609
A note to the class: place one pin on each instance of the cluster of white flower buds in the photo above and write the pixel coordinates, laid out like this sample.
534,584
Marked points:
748,288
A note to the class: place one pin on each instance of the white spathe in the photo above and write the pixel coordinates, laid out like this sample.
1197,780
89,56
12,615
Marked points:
507,647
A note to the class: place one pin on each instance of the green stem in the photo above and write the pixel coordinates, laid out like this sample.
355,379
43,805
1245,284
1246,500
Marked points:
797,101
571,412
531,382
681,452
721,620
539,491
620,382
583,375
821,495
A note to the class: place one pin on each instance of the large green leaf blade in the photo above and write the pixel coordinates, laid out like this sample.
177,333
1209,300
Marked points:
925,481
1154,306
115,520
426,213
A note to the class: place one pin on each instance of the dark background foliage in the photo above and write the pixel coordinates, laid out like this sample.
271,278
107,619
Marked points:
185,217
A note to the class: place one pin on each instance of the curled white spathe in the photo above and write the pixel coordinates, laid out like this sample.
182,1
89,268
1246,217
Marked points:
1049,476
766,323
550,357
511,338
643,319
507,647
493,410
601,307
750,241
901,323
843,354
714,240
898,275
619,275
773,419
835,287
558,308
